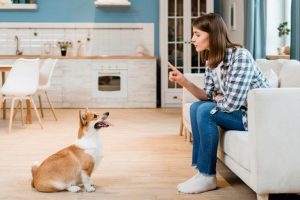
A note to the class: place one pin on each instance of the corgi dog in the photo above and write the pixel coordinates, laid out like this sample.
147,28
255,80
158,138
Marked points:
73,165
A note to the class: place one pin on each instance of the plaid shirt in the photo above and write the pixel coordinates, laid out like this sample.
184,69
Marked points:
239,74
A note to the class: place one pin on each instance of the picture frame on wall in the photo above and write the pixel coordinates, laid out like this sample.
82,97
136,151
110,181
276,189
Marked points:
232,16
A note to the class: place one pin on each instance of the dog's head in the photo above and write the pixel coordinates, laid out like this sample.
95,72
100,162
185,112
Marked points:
91,122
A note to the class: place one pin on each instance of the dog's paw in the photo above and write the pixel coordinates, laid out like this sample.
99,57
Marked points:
90,189
74,188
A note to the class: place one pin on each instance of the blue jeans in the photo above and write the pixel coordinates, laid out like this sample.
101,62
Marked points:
206,135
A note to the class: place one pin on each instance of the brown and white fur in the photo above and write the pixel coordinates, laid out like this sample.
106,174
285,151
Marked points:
73,165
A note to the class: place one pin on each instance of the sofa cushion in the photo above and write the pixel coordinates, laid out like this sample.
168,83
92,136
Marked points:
290,73
235,145
266,65
272,78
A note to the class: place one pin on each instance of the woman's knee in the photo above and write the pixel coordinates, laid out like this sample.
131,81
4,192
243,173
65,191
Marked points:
204,109
195,105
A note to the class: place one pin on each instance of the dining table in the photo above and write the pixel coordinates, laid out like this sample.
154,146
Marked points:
6,68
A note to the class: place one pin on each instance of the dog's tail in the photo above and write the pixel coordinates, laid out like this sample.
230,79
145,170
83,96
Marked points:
34,167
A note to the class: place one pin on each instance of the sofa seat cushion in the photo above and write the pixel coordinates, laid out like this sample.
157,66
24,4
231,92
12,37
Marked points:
235,145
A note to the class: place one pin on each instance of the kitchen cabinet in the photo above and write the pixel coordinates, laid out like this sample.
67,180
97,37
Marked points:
73,82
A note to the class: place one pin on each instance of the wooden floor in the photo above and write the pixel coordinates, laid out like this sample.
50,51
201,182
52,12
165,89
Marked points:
144,158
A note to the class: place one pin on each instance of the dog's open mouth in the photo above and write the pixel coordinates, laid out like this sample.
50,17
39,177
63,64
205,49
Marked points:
101,124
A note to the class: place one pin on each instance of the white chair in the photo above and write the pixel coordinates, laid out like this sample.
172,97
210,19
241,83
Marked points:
46,72
21,83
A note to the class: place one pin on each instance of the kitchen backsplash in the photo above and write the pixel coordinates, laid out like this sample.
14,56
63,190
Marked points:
88,39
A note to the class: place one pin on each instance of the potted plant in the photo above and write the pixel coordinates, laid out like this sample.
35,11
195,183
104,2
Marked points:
283,31
64,45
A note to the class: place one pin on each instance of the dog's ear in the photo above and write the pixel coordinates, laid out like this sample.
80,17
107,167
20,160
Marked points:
82,118
105,115
86,109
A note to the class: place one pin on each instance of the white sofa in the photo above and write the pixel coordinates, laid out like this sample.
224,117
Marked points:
267,156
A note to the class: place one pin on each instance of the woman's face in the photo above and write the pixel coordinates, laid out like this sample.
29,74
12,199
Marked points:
200,39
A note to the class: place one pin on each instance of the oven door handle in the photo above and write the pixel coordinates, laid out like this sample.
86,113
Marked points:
108,73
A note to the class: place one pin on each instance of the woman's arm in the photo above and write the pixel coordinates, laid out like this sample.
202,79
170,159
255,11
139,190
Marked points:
239,78
178,77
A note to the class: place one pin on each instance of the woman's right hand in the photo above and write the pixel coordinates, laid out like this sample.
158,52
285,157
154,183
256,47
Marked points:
175,75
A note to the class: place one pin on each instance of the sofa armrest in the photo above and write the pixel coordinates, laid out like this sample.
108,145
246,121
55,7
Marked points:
198,80
274,138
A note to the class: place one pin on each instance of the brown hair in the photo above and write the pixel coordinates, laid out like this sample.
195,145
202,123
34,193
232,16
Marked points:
214,25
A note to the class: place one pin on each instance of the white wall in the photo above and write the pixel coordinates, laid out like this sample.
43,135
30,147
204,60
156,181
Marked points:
237,35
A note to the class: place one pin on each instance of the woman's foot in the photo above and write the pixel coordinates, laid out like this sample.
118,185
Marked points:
189,180
200,183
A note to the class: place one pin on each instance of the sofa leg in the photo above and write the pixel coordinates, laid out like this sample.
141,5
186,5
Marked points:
181,126
184,133
188,136
262,196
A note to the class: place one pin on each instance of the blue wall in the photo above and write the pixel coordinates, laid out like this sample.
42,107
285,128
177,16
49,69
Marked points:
141,11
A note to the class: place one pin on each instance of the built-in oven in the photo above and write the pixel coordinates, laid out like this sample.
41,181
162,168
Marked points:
110,80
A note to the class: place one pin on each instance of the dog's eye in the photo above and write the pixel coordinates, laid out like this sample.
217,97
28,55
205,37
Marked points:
96,116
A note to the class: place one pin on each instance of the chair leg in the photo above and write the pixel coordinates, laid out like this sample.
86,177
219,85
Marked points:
188,136
4,108
51,106
41,106
11,114
28,116
22,112
16,110
36,112
1,104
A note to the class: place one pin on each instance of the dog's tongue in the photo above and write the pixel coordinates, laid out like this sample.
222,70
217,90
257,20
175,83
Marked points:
108,123
102,124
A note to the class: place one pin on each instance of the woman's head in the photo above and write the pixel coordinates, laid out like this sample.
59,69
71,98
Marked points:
210,36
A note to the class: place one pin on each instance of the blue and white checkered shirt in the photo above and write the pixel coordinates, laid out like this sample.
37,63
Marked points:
239,74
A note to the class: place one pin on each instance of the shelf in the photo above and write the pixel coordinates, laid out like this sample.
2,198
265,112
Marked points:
274,57
21,6
112,3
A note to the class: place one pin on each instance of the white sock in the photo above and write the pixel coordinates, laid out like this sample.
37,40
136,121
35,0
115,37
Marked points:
189,180
201,183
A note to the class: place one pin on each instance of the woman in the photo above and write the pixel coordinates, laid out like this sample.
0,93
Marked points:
229,75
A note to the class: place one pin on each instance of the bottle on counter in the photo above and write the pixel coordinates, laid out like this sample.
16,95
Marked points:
48,49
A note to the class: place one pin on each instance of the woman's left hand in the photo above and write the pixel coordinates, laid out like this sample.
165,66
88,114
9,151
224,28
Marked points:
218,97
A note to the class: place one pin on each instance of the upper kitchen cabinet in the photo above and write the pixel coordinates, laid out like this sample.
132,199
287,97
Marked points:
18,5
176,17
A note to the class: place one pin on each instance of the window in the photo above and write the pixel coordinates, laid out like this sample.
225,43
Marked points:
276,12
